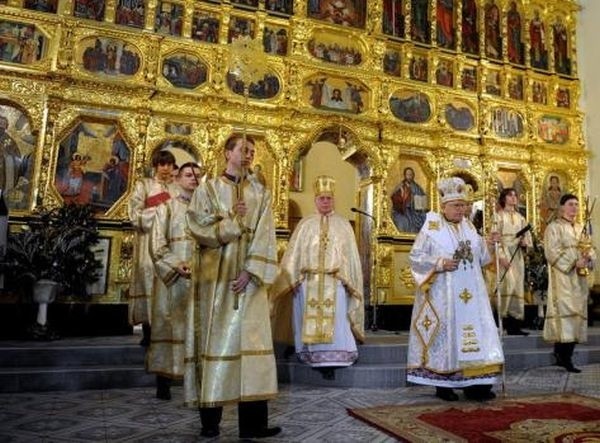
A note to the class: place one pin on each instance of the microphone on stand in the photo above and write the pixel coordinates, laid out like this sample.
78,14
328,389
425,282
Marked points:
523,231
360,211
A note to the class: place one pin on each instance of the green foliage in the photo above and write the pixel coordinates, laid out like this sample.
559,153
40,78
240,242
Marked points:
536,268
56,244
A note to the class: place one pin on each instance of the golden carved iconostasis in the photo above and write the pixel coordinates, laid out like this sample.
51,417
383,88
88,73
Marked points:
386,95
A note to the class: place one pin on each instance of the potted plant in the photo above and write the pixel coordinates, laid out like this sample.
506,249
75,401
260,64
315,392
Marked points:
51,255
536,278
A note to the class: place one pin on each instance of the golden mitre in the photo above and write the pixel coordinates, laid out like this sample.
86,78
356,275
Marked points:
324,185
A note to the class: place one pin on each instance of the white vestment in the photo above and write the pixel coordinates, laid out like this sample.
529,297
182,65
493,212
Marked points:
453,338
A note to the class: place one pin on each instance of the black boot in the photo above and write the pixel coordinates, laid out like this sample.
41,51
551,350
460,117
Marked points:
446,394
289,351
327,372
163,388
253,420
210,419
568,358
146,330
479,392
517,325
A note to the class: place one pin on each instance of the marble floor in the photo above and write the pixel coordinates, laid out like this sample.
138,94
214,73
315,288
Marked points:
307,414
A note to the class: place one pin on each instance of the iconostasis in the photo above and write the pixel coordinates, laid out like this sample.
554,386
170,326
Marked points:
407,91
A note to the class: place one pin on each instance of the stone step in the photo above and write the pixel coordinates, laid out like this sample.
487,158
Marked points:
393,348
68,356
37,379
388,375
118,362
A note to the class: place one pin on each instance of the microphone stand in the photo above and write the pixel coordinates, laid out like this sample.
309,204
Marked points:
374,305
500,328
499,281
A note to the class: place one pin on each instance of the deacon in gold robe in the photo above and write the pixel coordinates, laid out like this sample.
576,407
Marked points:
321,274
453,340
508,222
570,257
148,194
231,218
171,351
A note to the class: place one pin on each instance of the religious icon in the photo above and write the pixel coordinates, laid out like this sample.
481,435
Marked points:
419,21
563,97
408,197
493,84
515,87
470,27
297,175
469,79
275,40
130,13
169,18
41,5
391,63
333,50
93,165
444,73
418,68
17,151
539,92
252,4
562,62
537,41
552,191
445,24
553,129
336,94
184,71
21,43
393,18
506,123
240,27
205,27
515,43
280,6
267,87
493,37
109,56
411,107
89,9
351,13
459,116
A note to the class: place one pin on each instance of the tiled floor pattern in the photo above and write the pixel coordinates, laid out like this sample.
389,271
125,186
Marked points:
307,414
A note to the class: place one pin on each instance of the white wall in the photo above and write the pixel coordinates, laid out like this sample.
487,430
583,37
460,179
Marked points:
588,59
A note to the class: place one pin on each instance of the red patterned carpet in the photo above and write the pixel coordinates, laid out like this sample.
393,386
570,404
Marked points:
549,418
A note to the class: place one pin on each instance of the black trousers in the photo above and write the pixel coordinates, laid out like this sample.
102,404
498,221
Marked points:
252,415
564,352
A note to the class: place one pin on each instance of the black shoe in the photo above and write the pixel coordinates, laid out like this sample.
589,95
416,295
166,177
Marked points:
327,373
517,332
260,433
163,393
479,393
570,368
289,351
446,394
210,432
